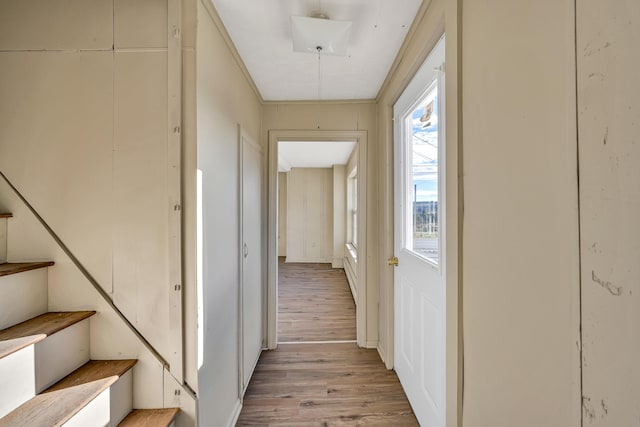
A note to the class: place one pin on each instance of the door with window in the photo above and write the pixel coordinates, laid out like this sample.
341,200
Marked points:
419,242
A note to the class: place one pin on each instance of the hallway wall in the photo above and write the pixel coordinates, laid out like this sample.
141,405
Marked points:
310,215
224,101
609,120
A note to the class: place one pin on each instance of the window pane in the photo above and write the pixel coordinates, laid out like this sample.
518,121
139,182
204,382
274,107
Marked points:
424,177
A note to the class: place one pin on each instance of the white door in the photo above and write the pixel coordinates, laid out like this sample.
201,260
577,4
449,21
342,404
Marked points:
419,282
251,259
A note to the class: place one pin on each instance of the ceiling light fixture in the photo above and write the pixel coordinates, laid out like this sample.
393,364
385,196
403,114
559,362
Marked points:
320,35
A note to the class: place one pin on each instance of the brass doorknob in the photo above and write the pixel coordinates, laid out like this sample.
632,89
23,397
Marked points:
393,261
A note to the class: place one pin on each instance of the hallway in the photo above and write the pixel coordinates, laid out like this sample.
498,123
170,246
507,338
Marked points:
321,384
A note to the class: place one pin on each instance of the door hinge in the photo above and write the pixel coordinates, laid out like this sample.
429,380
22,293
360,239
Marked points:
393,261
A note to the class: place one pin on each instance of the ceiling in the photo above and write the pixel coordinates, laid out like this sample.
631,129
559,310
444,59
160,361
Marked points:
261,32
313,154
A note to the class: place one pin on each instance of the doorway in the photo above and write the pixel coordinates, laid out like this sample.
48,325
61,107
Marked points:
276,137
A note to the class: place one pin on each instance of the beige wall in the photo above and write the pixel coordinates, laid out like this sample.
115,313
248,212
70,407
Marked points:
224,101
520,239
310,215
337,116
84,136
608,118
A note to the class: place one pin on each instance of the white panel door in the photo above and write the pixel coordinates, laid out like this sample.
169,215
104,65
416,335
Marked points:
251,258
419,280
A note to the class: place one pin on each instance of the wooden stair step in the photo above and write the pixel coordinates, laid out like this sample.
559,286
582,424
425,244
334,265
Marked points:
6,215
150,417
10,346
57,407
47,324
8,268
93,370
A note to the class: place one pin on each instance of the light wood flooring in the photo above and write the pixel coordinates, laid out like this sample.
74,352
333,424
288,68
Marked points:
314,303
321,384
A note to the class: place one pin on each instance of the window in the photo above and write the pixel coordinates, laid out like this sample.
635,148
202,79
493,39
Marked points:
352,208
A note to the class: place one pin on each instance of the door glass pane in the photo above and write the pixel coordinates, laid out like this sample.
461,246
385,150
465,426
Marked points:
423,177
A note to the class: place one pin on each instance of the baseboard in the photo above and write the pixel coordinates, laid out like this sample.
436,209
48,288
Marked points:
233,419
372,345
382,354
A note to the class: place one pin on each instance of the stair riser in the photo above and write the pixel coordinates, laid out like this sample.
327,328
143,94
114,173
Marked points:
3,240
22,296
96,413
61,353
17,379
121,398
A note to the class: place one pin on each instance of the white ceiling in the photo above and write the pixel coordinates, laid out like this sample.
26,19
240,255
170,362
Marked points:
261,32
313,154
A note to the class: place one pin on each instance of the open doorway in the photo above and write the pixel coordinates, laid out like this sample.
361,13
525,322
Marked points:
316,299
320,195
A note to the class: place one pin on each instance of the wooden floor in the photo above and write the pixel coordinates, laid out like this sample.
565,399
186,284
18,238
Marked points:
321,384
314,303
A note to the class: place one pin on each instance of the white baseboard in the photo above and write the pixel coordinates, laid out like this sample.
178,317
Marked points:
235,414
372,345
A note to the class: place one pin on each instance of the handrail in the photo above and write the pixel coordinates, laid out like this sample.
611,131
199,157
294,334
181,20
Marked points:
87,275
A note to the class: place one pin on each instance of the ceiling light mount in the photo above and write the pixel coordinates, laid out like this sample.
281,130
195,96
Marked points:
318,34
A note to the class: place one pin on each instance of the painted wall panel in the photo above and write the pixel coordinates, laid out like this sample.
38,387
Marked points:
140,23
520,238
56,121
609,146
140,222
43,24
310,215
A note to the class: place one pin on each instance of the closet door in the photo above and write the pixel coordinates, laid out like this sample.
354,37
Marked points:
251,293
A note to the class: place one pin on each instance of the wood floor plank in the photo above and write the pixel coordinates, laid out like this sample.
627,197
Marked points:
8,347
314,303
47,324
8,268
321,384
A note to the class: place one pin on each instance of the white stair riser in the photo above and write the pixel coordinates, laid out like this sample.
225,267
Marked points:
3,240
17,379
121,398
61,353
95,414
22,296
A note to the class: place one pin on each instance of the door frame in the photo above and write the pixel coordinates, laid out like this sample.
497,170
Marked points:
362,313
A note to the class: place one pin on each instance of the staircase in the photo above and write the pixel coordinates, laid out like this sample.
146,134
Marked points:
46,375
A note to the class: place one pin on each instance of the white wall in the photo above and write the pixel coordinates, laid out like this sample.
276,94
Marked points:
224,99
282,213
520,231
310,215
609,120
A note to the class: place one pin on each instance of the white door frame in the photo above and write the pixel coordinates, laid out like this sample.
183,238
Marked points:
360,137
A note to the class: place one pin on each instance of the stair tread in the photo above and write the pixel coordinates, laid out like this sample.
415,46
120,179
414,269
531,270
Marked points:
8,268
149,417
10,346
6,215
57,407
47,324
92,371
